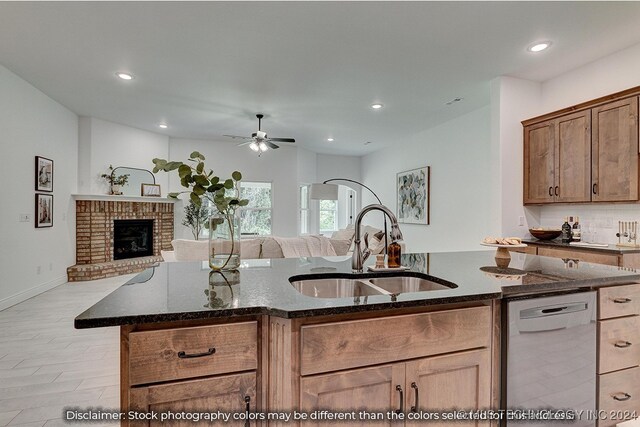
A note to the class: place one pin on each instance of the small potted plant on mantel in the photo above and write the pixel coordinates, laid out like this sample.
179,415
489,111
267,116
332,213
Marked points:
115,182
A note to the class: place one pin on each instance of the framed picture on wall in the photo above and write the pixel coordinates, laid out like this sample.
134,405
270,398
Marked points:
44,210
150,190
44,174
413,196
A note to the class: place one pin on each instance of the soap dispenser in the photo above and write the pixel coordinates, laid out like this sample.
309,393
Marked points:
394,254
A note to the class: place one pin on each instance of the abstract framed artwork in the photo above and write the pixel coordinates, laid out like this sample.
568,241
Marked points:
413,196
44,174
44,210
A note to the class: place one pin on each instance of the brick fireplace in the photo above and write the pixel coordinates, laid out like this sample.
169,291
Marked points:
95,219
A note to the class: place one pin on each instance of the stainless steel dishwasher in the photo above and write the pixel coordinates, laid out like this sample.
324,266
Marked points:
551,356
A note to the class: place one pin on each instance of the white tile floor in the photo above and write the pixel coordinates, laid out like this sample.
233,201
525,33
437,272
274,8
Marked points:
46,364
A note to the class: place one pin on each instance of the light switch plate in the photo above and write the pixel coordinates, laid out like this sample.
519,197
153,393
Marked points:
24,218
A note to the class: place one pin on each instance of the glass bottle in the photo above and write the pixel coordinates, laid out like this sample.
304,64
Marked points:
576,232
566,231
394,253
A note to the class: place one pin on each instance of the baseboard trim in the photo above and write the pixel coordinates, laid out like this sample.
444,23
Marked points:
31,292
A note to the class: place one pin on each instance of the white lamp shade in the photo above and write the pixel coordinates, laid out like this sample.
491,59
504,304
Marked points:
323,192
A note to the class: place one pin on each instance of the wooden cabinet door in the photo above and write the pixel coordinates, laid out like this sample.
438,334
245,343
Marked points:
448,382
367,389
573,157
224,393
615,151
539,163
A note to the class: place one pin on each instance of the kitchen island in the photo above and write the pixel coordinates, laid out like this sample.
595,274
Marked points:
251,342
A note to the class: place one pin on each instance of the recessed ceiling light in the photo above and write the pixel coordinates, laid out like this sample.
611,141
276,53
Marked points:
163,126
454,100
124,76
376,106
330,139
539,46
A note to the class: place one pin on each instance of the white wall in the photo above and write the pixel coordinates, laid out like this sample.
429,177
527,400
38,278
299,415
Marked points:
104,143
459,153
520,99
33,124
280,167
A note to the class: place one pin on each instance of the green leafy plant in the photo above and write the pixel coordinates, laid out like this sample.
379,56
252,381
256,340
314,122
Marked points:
224,195
115,180
196,217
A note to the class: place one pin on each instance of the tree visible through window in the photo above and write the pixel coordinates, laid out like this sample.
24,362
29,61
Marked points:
328,216
256,216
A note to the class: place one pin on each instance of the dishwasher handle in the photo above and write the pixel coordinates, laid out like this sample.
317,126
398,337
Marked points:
553,310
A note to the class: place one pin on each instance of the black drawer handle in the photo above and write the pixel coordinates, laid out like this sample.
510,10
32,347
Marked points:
414,408
557,191
183,355
621,300
399,389
622,344
550,191
247,401
595,188
625,397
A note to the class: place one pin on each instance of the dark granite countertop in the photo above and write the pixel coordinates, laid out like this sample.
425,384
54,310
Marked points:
557,243
182,290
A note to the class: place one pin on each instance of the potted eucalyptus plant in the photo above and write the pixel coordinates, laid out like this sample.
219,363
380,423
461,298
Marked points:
115,182
222,195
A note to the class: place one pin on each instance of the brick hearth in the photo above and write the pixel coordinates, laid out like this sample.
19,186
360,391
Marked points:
94,236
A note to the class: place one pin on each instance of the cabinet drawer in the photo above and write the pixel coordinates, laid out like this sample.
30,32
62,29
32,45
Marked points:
345,345
619,344
618,301
621,385
192,352
597,258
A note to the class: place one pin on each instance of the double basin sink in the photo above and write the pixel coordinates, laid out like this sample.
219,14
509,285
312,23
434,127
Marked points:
360,285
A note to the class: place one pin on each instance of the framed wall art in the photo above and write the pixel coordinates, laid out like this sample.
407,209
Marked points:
44,174
413,196
44,210
150,190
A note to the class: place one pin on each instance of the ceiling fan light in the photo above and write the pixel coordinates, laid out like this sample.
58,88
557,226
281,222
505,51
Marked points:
254,146
263,147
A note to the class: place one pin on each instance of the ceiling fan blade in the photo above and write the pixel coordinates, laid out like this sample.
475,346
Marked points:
283,139
244,143
271,144
238,137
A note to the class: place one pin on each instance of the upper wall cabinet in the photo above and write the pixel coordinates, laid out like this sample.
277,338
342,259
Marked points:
615,151
586,153
557,160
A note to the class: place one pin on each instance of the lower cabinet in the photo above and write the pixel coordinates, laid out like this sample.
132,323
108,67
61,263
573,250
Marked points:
428,385
230,394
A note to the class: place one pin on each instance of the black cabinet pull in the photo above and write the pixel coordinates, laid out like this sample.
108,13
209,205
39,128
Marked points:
622,344
595,188
550,191
621,300
625,396
247,401
414,408
183,355
557,191
399,389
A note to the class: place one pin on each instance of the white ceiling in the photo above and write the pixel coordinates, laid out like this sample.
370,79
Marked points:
313,68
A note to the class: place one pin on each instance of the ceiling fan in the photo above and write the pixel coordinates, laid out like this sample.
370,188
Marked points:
259,141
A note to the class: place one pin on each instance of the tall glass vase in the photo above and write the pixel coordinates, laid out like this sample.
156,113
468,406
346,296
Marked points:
224,241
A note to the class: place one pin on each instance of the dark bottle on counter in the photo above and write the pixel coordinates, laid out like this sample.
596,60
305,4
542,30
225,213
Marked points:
576,231
566,231
394,252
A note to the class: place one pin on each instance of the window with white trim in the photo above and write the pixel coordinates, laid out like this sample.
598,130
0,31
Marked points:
328,215
257,215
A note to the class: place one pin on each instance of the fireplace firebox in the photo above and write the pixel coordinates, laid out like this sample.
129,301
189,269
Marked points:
132,238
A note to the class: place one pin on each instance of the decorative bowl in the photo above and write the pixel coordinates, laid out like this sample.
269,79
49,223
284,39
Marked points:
545,233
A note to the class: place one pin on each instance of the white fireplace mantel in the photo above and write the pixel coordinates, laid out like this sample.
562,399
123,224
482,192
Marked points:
111,198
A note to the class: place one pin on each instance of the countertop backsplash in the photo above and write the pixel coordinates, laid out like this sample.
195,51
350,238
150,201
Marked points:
599,219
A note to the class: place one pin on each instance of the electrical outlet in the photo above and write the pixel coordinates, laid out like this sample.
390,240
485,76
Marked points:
521,221
24,218
39,269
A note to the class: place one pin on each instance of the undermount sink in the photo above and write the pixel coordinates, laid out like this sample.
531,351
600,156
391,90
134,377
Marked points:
398,285
340,287
334,288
